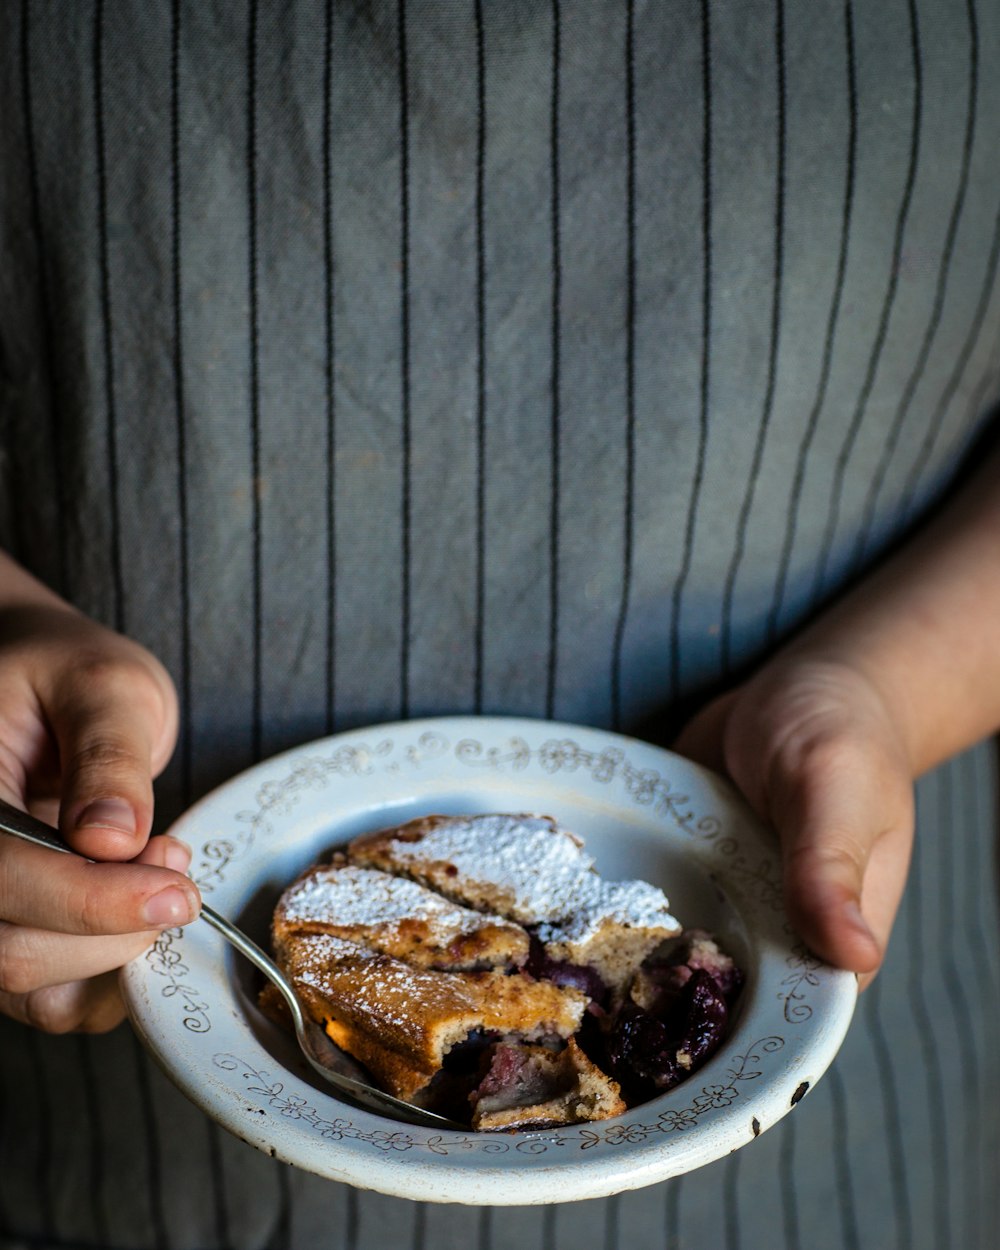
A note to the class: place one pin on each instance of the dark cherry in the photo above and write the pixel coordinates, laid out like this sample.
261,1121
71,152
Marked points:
640,1055
643,1050
702,1014
575,976
671,971
505,1064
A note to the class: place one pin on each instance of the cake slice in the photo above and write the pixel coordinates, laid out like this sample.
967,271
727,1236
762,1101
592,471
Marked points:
398,917
456,957
531,870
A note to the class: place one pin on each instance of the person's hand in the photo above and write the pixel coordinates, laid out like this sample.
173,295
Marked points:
87,719
814,748
895,676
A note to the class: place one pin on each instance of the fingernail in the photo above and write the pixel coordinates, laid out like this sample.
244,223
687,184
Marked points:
108,814
177,855
170,906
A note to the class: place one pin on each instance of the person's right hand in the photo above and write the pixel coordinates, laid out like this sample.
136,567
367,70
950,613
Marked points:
87,720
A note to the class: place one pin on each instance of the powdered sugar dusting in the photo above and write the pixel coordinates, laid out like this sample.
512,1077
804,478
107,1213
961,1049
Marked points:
533,868
319,950
539,873
631,904
366,897
384,988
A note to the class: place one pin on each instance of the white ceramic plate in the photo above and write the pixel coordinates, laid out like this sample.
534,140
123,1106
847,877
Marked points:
642,812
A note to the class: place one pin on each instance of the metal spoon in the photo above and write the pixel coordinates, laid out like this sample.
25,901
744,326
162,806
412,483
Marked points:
326,1058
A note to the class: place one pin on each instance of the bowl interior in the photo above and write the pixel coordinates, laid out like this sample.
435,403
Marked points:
622,848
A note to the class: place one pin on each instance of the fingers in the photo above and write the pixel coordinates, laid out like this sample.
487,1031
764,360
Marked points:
845,817
817,755
109,721
92,899
62,982
93,1006
37,959
88,716
165,851
88,719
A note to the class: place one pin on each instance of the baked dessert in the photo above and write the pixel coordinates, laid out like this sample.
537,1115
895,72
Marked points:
480,966
530,869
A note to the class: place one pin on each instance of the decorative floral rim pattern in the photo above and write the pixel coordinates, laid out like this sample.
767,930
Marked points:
173,991
671,1120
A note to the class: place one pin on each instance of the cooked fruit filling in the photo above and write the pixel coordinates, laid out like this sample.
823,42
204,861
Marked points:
675,1017
519,1076
561,972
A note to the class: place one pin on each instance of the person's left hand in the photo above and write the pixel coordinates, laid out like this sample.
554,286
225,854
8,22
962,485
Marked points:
815,750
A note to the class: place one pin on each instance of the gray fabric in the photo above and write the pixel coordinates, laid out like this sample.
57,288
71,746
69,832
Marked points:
740,512
367,361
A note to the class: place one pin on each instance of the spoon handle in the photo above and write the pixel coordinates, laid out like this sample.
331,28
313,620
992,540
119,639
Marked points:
23,825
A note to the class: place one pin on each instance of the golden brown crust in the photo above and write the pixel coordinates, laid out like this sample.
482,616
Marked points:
401,1021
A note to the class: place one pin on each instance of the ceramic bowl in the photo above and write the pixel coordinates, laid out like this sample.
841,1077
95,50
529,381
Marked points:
641,811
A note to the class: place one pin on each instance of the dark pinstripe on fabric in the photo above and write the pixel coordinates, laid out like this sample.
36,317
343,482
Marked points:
367,358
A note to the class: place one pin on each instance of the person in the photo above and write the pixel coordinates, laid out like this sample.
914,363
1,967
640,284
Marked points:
586,362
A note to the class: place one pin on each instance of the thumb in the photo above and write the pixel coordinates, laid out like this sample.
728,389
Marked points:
845,818
107,727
